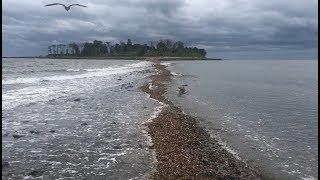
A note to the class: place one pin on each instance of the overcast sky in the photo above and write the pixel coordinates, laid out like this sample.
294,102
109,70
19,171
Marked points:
232,29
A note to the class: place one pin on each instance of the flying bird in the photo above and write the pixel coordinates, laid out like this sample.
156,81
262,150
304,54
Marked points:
65,7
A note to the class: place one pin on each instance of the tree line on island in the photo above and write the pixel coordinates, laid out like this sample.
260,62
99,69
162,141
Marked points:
165,47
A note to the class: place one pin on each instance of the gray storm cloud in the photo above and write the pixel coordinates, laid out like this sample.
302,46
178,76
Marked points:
229,28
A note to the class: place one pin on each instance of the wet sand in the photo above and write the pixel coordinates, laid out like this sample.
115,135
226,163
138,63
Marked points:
183,149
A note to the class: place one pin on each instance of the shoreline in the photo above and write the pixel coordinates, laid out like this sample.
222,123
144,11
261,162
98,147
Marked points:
183,149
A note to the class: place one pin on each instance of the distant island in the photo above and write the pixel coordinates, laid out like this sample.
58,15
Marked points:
164,49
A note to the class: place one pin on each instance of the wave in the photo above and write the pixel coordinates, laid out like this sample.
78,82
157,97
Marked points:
74,70
88,73
41,90
165,63
175,74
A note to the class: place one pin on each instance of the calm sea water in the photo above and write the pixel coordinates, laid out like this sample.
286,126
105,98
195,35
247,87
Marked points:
75,118
265,112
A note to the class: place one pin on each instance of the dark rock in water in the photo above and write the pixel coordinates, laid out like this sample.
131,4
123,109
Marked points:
52,131
119,79
117,147
44,80
34,132
145,71
145,107
182,90
31,104
52,101
140,146
77,99
35,173
185,85
84,124
113,122
127,85
5,164
17,136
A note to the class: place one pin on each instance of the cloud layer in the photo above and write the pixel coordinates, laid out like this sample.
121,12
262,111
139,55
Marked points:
229,28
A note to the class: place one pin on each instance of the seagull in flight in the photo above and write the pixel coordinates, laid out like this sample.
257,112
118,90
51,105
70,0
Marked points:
65,7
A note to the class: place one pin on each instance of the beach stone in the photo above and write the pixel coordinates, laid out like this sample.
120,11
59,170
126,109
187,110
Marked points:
209,174
230,178
182,90
17,136
145,71
84,124
129,86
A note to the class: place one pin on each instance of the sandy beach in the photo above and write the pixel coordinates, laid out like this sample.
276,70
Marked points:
183,149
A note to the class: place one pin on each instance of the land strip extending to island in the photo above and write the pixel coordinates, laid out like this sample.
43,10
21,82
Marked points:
183,149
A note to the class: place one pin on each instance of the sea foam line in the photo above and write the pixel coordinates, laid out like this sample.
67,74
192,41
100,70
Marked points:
112,70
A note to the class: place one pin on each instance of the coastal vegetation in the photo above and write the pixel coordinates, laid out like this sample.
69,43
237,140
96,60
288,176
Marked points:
168,48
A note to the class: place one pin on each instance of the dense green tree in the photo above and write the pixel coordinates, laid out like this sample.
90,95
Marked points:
96,48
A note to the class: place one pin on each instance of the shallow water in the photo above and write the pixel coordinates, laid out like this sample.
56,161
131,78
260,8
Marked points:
77,118
265,112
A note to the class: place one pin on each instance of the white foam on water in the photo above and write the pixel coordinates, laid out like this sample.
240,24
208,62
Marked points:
309,178
157,110
20,81
74,70
165,63
229,149
63,85
152,87
175,74
118,154
89,73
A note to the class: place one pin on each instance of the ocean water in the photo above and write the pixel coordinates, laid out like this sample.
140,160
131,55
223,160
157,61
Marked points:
265,112
76,119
